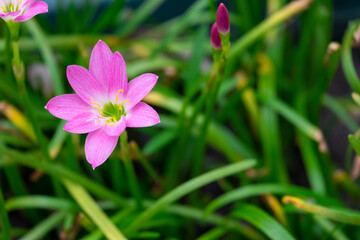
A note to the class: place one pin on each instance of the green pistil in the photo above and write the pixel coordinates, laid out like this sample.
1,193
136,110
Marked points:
113,111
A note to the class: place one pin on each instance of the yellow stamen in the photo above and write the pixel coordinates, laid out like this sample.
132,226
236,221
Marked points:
95,103
11,8
98,109
20,2
3,9
123,102
117,94
97,106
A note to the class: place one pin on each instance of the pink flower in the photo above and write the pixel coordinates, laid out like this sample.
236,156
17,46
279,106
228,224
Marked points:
104,103
21,10
215,37
223,19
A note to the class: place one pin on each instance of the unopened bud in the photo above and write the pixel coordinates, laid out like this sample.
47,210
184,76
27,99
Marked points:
215,37
223,19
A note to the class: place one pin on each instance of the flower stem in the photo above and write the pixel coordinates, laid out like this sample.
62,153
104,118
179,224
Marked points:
214,85
130,171
151,171
19,73
16,55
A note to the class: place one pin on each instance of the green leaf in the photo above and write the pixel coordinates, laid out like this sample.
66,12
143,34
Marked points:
263,221
143,12
87,203
346,57
4,220
355,143
185,189
340,214
39,201
44,227
159,141
264,188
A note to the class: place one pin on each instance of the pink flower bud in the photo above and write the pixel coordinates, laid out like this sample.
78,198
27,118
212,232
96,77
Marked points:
215,37
222,19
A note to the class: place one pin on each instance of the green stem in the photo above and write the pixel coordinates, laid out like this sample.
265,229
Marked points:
16,55
130,171
19,73
5,224
151,171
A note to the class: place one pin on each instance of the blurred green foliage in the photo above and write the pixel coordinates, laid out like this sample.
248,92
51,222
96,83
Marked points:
263,137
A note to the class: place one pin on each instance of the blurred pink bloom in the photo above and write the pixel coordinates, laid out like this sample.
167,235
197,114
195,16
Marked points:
215,37
21,10
222,19
104,103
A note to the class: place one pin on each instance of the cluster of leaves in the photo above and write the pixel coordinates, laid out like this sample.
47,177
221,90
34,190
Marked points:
267,116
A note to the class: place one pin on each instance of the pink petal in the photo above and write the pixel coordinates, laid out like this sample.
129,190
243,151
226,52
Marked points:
142,115
9,15
100,62
222,19
117,129
67,106
27,2
117,76
139,87
33,10
215,37
85,85
83,123
99,146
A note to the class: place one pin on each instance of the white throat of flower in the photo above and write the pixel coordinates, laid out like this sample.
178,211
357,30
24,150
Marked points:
10,6
110,112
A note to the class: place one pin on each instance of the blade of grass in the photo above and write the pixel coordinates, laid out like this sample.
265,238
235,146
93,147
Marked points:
108,16
47,54
264,188
269,124
61,172
186,188
346,57
90,207
296,119
214,233
340,112
44,227
5,224
194,11
340,215
263,221
143,12
273,20
179,210
333,230
39,201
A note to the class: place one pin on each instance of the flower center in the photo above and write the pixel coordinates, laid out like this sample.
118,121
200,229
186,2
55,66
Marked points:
10,7
111,112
